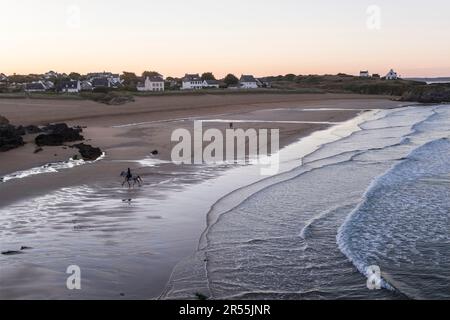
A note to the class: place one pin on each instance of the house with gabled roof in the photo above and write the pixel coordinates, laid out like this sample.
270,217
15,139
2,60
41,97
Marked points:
364,74
212,84
113,79
151,83
36,86
3,77
69,86
248,82
192,82
392,75
102,82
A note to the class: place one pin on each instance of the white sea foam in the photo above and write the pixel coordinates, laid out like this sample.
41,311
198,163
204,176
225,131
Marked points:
48,168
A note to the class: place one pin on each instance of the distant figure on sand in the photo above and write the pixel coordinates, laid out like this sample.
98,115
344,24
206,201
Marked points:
131,179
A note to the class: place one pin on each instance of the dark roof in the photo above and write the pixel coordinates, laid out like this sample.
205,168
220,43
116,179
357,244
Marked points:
100,82
68,84
99,74
155,79
247,78
35,86
192,77
212,82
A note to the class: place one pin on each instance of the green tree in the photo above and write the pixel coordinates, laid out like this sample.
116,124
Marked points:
290,77
230,80
74,76
130,79
146,74
208,76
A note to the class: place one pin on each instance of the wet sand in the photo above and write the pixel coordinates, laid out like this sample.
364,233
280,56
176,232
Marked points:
128,134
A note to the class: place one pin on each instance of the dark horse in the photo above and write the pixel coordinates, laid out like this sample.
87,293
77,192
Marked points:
131,179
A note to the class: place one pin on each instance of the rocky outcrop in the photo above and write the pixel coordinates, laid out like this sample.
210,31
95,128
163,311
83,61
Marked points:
10,137
3,121
33,129
120,100
428,94
110,98
88,152
58,134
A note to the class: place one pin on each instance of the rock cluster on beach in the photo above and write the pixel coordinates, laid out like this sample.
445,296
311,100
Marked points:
58,134
88,152
428,94
10,136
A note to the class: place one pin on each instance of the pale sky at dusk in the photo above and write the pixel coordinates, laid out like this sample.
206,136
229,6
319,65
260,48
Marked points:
238,36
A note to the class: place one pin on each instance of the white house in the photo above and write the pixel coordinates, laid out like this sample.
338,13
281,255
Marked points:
154,83
392,75
70,86
248,82
214,84
192,82
364,74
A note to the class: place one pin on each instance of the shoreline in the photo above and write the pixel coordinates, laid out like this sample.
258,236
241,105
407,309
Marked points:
100,174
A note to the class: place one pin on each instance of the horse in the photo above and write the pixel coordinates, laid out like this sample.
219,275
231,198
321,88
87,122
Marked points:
131,181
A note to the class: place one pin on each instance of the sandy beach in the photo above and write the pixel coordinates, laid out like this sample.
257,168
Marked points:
107,127
128,134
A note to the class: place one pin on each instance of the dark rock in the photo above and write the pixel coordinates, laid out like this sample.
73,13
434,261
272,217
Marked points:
11,252
60,128
155,152
38,150
88,152
33,129
58,134
10,138
20,130
3,121
428,94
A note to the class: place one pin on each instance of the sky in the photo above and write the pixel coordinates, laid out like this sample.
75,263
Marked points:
257,37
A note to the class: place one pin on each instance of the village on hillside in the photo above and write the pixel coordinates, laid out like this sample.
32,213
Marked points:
148,82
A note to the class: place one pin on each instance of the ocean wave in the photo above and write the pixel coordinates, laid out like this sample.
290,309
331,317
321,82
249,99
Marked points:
399,211
48,168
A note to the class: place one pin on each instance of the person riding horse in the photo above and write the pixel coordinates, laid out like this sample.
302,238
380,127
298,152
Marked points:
130,178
